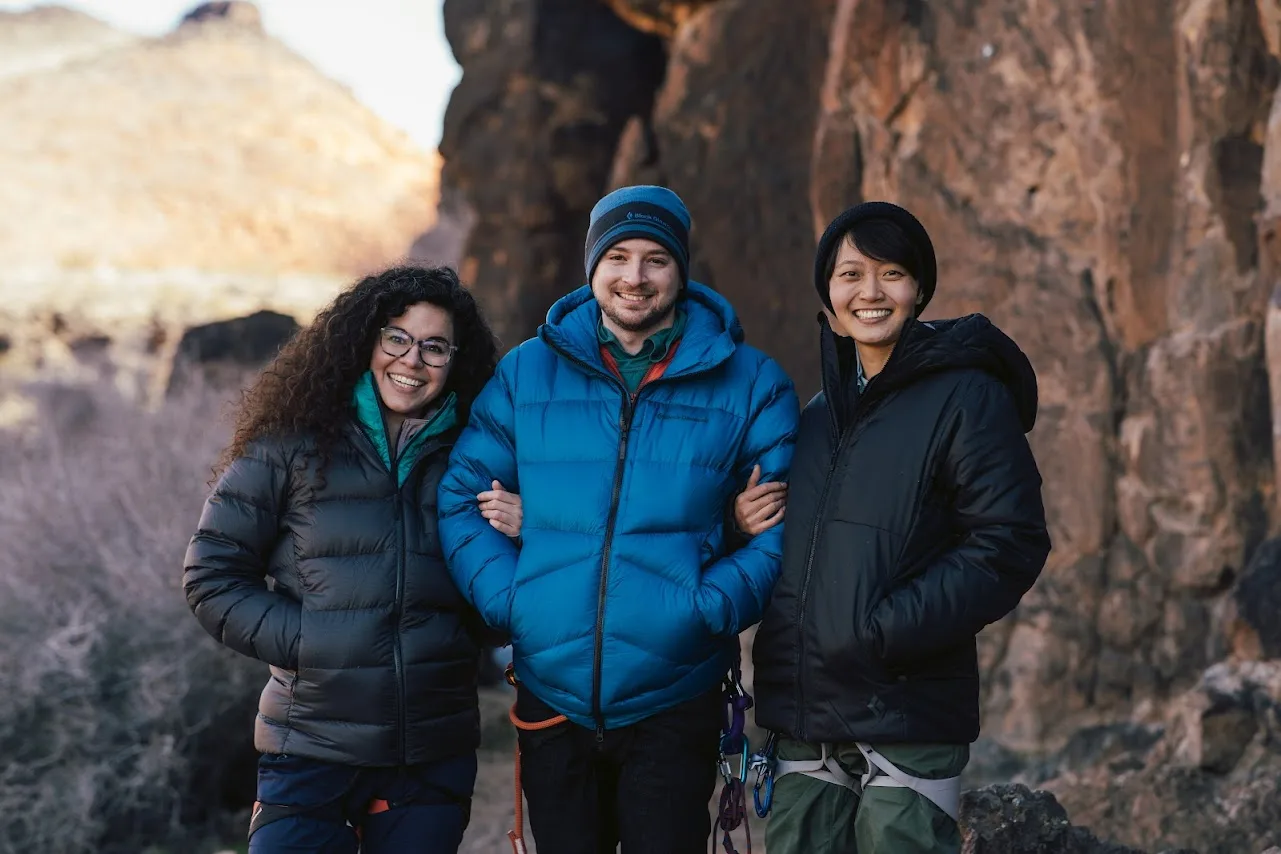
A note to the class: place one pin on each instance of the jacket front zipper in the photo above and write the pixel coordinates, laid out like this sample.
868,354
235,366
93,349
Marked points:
397,611
843,438
624,427
398,606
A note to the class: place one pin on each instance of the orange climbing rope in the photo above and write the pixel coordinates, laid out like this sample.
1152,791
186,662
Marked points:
516,834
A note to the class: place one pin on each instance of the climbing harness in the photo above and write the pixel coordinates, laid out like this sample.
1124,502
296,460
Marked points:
881,772
517,834
944,794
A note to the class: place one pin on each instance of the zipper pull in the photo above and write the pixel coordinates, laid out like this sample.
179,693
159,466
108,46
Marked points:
600,734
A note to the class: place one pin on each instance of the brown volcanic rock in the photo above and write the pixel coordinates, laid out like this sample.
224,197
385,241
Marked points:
1012,819
213,148
1087,172
529,138
1104,181
661,17
731,132
1070,203
1212,784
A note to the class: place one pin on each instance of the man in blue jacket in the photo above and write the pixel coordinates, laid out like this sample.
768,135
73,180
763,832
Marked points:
628,426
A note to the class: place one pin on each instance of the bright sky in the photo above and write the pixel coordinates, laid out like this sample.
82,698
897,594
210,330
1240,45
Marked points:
391,53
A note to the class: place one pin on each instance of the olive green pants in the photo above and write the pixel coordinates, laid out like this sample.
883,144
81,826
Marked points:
816,817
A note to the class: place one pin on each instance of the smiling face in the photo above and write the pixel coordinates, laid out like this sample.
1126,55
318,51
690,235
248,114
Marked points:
872,301
636,284
406,384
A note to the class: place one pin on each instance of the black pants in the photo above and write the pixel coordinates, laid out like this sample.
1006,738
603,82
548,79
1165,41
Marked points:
647,785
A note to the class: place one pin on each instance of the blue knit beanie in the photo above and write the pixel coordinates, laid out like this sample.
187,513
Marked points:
654,213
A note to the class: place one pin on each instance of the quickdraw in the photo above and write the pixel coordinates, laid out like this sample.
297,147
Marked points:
734,743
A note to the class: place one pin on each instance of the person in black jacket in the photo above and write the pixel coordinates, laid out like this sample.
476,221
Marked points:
914,520
317,553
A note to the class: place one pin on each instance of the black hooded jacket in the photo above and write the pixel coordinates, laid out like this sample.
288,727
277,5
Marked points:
373,653
914,519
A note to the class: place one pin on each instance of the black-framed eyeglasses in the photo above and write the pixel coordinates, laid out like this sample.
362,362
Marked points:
435,352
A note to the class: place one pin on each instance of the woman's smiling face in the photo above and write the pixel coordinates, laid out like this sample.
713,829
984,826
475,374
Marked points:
872,300
406,384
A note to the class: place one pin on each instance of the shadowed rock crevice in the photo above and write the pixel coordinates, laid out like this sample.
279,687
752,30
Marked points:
529,139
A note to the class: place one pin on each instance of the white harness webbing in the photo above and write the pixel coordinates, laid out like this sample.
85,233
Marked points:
944,794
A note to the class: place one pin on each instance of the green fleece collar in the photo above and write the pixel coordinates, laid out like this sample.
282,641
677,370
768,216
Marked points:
369,415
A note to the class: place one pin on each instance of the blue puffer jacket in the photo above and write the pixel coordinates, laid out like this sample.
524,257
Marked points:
622,600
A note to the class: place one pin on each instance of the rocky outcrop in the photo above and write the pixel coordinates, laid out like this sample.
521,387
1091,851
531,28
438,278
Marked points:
529,139
1211,783
1012,819
732,131
237,12
1104,181
1091,175
126,329
222,353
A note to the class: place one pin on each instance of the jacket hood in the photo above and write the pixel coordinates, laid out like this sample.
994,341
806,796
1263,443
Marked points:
972,342
712,330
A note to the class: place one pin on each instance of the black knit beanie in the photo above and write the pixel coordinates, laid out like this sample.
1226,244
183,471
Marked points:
911,227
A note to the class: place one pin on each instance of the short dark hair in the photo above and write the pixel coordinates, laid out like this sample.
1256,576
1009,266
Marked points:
882,240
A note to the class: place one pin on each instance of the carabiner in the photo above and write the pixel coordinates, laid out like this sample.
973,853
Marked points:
744,762
765,780
763,762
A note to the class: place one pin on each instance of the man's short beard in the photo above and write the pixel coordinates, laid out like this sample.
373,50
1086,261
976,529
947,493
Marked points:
649,321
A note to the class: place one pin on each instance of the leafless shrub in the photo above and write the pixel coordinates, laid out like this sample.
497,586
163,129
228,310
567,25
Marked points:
122,723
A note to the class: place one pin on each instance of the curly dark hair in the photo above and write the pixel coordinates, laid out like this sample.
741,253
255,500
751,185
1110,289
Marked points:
307,388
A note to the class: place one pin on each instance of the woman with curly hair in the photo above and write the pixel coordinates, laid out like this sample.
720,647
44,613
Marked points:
317,553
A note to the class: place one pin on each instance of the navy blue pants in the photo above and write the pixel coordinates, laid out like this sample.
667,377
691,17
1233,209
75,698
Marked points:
328,806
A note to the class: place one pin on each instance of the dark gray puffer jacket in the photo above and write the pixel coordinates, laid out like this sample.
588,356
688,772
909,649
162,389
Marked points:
373,653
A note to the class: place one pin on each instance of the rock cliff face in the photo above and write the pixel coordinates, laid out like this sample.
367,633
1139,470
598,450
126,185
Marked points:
1103,179
529,138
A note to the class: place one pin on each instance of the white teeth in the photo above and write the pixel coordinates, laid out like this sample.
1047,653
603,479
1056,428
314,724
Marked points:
872,313
406,382
634,297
